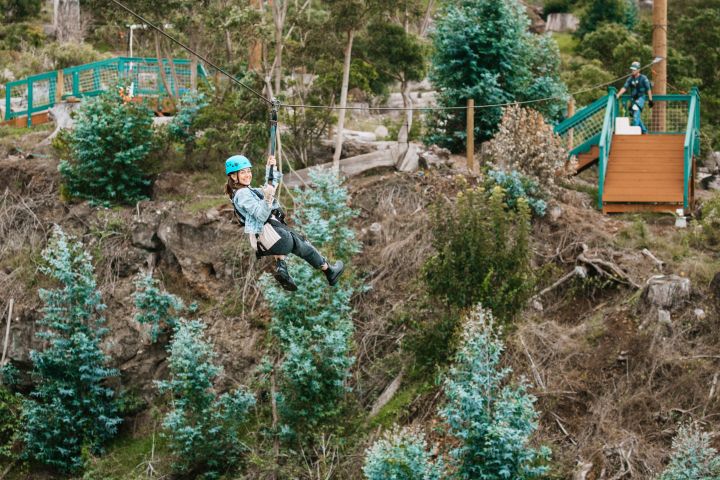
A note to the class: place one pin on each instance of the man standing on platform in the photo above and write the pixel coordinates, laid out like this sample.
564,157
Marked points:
639,87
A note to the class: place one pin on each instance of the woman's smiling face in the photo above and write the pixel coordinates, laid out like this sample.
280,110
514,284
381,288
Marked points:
244,176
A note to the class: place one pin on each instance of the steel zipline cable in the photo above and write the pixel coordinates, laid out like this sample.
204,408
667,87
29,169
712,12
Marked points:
275,104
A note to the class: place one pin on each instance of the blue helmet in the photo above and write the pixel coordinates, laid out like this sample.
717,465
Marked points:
236,163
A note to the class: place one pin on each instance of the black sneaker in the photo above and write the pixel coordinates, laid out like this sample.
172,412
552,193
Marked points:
333,272
283,277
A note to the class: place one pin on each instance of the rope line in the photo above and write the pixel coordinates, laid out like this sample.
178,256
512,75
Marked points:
476,107
178,42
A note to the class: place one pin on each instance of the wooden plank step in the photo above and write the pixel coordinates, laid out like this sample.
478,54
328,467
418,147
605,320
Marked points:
641,207
640,197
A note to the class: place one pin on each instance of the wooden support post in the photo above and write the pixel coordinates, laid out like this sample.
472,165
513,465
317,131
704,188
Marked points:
7,333
59,86
571,132
470,145
659,38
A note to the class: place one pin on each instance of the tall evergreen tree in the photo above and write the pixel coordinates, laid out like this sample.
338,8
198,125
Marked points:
313,325
492,419
484,51
71,409
203,428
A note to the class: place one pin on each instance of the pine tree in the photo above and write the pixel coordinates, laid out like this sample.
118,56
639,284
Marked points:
314,326
401,455
71,408
692,457
203,428
155,307
492,419
484,51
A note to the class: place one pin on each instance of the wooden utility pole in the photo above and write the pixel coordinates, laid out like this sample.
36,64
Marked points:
471,135
660,27
571,133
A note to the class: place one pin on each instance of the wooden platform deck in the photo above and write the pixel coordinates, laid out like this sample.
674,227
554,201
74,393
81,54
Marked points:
644,172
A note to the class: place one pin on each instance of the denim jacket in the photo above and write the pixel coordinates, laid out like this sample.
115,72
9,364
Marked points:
256,210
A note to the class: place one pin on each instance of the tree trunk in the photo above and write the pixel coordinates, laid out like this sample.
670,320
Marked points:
343,102
280,8
66,20
404,133
161,69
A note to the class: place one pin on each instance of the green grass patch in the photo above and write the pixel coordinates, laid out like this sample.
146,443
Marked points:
567,43
399,406
129,458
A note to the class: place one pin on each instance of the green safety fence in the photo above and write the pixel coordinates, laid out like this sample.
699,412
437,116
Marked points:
40,92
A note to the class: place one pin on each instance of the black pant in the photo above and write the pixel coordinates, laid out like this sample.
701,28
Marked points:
291,242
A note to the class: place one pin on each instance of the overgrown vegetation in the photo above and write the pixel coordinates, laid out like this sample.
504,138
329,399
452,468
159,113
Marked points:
483,253
71,409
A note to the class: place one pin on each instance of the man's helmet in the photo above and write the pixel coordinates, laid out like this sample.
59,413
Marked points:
635,66
236,163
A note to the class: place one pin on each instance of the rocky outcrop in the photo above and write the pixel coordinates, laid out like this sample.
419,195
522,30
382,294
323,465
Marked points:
562,22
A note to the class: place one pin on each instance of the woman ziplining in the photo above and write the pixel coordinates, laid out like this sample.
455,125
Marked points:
263,219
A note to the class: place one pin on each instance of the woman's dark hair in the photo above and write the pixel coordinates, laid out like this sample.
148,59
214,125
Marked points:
231,187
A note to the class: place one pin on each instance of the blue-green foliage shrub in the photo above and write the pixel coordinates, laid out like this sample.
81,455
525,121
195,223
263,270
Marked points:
692,456
482,253
492,419
107,147
517,186
156,307
203,428
71,409
181,127
493,61
401,455
313,325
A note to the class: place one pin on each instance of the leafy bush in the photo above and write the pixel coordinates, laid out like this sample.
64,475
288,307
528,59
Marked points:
401,455
483,253
492,420
63,55
692,456
494,61
156,307
313,325
556,6
182,128
234,121
517,186
16,36
581,74
18,10
600,12
10,426
71,409
707,230
526,143
110,141
202,429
